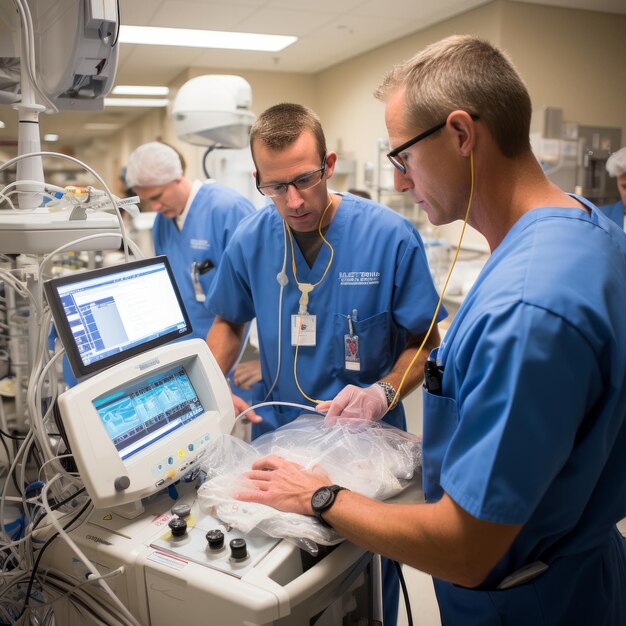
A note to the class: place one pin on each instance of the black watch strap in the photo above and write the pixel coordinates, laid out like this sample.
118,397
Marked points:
322,500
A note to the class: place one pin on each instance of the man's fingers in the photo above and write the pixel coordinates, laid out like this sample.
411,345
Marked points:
273,462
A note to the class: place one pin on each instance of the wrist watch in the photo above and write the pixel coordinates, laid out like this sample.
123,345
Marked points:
322,500
390,393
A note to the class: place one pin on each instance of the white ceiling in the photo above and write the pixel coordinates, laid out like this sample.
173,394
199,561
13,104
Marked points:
328,31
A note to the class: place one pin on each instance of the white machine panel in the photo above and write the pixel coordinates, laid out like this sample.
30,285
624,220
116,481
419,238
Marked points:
139,426
170,580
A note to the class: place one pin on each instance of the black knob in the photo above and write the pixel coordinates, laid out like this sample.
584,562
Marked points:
178,526
121,483
238,549
215,539
182,510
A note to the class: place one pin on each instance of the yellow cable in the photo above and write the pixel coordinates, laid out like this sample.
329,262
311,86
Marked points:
396,397
295,373
332,251
293,267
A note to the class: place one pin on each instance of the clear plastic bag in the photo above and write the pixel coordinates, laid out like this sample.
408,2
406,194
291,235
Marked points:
371,458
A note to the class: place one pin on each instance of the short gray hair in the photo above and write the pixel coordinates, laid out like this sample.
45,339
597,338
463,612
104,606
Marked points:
470,74
616,163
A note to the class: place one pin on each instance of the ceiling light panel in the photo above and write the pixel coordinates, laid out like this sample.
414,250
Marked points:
140,90
151,35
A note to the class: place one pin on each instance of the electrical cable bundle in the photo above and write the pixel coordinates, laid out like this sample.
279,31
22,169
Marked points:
41,499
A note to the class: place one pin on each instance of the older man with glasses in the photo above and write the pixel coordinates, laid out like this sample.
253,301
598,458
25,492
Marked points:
339,285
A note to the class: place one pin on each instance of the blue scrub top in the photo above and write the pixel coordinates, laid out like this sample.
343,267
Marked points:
614,212
531,424
214,214
379,269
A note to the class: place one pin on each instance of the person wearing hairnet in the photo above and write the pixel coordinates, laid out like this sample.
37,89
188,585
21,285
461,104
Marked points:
195,221
616,167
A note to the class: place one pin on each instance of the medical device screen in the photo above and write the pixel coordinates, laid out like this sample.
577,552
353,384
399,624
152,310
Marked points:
141,414
107,315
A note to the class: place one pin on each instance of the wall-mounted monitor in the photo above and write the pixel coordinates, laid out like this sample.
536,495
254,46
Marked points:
107,315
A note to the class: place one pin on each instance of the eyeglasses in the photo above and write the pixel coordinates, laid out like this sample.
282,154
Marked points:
301,183
394,157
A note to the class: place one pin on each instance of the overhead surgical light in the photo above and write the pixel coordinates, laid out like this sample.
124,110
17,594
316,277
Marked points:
214,109
193,38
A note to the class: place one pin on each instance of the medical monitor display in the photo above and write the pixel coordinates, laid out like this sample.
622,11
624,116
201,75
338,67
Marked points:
107,315
142,413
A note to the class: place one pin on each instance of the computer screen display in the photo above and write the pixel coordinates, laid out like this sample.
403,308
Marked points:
107,315
143,413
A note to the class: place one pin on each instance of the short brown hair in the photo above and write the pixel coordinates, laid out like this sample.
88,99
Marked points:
464,72
281,124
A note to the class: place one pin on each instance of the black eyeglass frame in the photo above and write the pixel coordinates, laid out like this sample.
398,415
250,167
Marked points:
293,182
393,155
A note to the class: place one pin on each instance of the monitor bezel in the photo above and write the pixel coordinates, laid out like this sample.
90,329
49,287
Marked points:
64,331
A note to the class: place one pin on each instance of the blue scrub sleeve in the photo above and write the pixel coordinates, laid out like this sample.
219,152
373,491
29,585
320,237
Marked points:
527,378
230,296
415,297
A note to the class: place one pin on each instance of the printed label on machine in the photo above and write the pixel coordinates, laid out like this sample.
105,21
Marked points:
168,560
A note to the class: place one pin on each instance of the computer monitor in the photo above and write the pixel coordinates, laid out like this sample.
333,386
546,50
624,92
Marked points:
107,315
144,423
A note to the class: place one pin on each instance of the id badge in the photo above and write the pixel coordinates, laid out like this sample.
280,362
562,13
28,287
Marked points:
352,356
303,330
197,288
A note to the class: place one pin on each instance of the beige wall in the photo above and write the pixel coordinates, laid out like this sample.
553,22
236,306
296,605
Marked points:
570,59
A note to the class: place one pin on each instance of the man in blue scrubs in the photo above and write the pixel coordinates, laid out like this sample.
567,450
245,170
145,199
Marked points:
194,223
525,403
616,167
339,286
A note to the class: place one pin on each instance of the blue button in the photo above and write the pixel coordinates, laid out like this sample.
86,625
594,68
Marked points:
170,460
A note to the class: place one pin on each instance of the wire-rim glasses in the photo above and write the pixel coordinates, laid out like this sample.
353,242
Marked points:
301,183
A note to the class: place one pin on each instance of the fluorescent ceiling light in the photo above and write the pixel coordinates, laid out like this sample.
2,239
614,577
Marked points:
100,126
192,38
135,102
140,90
2,124
51,137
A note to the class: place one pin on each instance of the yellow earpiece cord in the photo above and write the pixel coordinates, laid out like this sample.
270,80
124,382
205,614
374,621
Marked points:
397,396
305,295
309,287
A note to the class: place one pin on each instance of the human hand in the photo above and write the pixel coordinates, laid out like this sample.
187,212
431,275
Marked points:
241,405
247,374
368,403
283,484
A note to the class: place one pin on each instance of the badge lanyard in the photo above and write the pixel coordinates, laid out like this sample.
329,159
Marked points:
303,325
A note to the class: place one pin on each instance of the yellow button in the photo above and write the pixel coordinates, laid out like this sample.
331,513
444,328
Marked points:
171,473
181,453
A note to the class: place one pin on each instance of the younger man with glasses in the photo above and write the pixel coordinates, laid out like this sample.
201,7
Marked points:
339,285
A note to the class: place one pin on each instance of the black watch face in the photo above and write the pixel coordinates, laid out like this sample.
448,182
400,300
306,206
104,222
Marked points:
321,497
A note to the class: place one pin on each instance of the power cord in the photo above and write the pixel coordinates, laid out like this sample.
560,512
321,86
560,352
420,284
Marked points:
405,593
